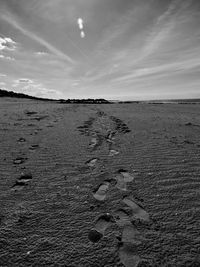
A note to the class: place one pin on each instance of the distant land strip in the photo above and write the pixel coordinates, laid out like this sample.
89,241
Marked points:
5,93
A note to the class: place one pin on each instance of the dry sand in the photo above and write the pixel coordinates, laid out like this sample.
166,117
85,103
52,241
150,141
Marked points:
68,200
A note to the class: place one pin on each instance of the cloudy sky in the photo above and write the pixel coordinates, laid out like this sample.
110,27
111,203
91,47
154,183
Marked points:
116,49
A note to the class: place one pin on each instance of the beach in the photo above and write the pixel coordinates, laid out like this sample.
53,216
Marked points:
99,185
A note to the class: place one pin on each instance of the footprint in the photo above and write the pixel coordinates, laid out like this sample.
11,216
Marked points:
91,162
129,233
127,176
112,153
122,179
21,140
19,160
22,181
103,222
138,212
122,218
110,137
33,147
49,125
121,184
93,143
128,257
130,237
39,118
100,193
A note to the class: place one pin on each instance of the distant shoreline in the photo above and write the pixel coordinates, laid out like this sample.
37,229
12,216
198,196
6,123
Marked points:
5,93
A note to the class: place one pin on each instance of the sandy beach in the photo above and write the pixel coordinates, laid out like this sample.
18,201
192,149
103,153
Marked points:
99,185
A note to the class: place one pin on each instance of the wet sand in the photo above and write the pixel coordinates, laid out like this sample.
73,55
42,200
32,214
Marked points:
99,185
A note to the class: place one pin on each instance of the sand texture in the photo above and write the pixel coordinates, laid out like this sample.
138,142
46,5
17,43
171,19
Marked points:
99,185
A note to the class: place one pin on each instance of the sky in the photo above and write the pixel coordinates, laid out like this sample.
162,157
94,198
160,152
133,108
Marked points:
113,49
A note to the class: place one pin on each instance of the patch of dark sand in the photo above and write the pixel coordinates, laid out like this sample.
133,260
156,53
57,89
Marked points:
94,236
138,212
102,223
100,192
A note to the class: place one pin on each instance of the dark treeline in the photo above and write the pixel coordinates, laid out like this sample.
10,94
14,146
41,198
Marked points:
5,93
85,101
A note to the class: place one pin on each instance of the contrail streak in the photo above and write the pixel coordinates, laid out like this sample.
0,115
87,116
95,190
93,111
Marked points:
37,39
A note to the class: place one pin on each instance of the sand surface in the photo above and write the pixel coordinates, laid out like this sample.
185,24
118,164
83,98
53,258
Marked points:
99,185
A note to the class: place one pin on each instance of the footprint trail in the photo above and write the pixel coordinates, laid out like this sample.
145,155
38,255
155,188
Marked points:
102,223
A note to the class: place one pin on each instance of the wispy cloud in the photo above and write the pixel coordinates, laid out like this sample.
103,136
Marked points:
6,43
8,18
6,57
165,69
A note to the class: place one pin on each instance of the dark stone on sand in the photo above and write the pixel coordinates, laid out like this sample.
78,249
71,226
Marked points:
94,236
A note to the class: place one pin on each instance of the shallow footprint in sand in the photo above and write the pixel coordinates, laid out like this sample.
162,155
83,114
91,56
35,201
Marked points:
130,236
91,162
138,212
122,218
127,176
102,223
129,233
122,179
33,147
19,160
113,152
21,140
93,142
22,181
100,193
121,184
128,257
